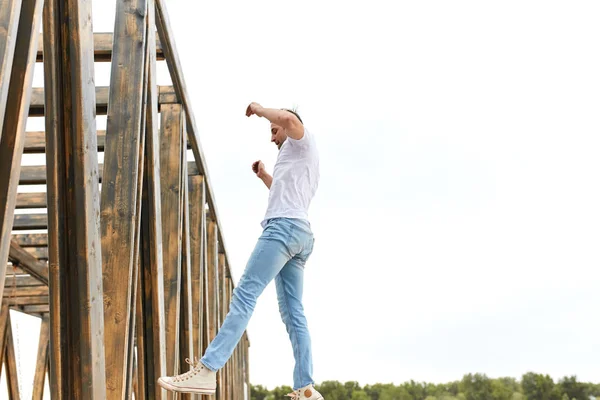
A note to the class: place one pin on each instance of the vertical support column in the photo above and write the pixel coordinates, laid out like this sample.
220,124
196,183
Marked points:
12,139
12,375
121,191
152,279
211,280
186,343
197,200
77,365
172,127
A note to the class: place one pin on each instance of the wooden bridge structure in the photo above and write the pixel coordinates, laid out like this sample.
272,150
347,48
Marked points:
123,261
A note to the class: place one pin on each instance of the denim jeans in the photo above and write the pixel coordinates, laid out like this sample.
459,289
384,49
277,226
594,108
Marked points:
281,252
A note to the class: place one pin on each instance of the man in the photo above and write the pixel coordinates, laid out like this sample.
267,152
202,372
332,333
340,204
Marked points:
281,253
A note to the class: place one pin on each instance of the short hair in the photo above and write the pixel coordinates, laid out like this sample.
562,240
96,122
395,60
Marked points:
295,113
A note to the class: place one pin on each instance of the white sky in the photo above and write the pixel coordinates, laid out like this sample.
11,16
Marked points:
457,220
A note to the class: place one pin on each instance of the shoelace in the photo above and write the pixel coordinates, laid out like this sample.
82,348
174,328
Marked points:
196,367
294,395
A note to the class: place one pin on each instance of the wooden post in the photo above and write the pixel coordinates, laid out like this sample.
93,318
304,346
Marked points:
12,139
172,128
77,366
121,191
152,279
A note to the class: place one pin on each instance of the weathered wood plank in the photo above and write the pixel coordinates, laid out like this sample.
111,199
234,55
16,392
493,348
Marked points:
172,128
30,221
36,174
42,359
12,375
121,192
103,47
12,140
40,253
35,142
29,263
221,281
31,200
77,318
31,239
39,309
186,340
25,291
4,327
197,200
26,300
152,240
166,95
212,280
21,281
9,22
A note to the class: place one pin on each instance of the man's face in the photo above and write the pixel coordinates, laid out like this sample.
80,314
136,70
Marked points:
278,135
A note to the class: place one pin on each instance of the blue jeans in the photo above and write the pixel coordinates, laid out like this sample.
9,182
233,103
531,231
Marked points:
281,252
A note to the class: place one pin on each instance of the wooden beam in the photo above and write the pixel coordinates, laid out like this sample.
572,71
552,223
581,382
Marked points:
166,95
103,46
21,281
152,278
121,191
30,222
31,239
77,366
4,328
197,200
186,340
172,128
9,22
12,140
31,200
212,279
39,309
29,263
36,174
42,360
25,291
12,374
26,300
39,253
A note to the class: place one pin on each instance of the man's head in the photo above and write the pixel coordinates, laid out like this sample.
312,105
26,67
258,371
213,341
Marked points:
278,135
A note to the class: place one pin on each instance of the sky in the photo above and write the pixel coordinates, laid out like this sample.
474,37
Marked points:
456,221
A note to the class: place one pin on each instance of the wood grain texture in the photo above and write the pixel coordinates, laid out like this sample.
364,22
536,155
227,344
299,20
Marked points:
9,22
167,95
10,363
77,367
29,263
212,279
42,359
172,128
103,47
197,227
121,191
152,240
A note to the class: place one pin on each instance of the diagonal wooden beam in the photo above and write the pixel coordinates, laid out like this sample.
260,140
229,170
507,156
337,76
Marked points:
42,359
12,140
9,22
29,263
10,363
121,190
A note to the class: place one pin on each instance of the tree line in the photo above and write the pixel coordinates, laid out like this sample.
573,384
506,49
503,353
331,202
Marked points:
532,386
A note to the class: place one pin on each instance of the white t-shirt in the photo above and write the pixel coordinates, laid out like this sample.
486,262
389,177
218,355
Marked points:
295,179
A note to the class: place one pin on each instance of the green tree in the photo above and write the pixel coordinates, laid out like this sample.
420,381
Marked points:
476,387
258,392
539,387
332,390
392,392
572,388
360,395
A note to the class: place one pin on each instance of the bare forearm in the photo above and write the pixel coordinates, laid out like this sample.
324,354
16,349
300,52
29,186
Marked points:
278,117
266,178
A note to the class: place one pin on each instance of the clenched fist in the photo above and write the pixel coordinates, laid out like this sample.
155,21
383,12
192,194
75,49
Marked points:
258,168
252,109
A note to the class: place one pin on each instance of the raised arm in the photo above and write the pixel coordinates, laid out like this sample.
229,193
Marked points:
292,126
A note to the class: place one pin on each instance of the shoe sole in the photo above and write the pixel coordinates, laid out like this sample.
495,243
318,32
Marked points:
177,389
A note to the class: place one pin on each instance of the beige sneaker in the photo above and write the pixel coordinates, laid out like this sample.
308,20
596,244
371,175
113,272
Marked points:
198,379
306,393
